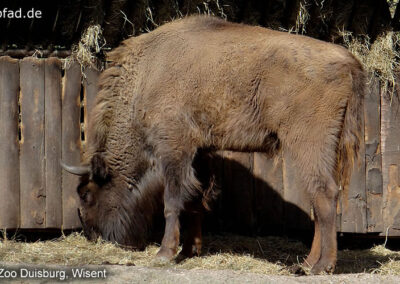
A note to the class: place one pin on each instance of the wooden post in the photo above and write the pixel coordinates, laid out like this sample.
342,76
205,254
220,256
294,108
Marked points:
9,144
390,145
32,161
53,142
71,143
373,157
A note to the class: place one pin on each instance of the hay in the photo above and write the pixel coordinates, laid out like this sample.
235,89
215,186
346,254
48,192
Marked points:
90,44
212,8
302,18
267,255
392,6
76,250
70,250
379,58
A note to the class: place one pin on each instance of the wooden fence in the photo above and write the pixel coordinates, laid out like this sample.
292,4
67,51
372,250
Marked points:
44,110
40,124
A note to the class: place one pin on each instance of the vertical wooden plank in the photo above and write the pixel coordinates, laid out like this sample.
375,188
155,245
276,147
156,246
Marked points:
53,142
373,158
32,160
297,202
390,146
237,198
9,160
71,143
90,92
268,194
353,198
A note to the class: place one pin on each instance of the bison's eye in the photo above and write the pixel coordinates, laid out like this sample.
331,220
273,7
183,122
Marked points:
86,196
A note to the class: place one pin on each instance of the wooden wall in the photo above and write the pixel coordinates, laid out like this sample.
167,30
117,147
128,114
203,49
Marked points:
40,124
44,111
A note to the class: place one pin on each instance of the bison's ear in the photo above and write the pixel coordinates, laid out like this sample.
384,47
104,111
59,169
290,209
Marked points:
100,172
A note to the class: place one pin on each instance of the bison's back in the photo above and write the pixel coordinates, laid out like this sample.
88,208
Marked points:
220,83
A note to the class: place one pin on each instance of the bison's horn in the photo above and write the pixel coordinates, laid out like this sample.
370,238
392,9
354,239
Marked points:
80,170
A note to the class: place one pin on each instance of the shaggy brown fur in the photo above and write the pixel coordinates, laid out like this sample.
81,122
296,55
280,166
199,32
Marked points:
203,83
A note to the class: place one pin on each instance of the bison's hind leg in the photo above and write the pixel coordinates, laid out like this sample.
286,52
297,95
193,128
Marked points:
193,237
316,162
323,253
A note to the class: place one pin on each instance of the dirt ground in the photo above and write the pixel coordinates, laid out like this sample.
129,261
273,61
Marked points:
134,274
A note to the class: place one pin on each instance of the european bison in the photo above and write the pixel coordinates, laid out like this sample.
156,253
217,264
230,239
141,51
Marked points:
202,83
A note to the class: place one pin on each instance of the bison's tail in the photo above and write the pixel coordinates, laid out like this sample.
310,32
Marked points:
351,138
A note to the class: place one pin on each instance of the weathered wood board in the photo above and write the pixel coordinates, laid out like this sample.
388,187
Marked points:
353,198
268,193
297,204
53,142
390,147
32,155
9,159
237,198
90,91
71,143
373,158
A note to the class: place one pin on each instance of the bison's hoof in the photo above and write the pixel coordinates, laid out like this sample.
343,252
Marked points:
322,267
165,254
162,259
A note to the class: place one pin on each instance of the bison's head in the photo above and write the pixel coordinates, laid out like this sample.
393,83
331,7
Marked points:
114,207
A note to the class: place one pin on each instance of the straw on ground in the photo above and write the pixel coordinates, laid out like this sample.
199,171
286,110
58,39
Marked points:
267,255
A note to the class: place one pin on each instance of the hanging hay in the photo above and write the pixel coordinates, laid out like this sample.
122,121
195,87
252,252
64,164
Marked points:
379,58
86,51
212,8
392,6
302,18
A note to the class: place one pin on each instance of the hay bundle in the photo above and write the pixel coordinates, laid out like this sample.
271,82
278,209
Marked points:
88,50
379,58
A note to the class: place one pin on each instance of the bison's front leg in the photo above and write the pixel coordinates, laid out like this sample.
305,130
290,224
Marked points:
170,242
180,186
